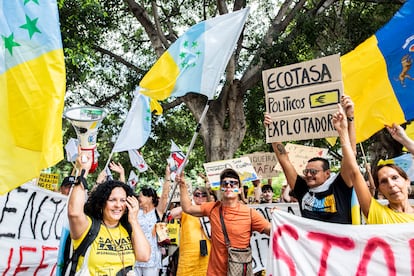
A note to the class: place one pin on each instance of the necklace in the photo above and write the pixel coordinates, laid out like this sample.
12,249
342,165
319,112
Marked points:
395,210
114,245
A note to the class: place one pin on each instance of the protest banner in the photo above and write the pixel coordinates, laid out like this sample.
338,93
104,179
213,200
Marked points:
264,164
301,246
241,165
299,155
31,223
301,99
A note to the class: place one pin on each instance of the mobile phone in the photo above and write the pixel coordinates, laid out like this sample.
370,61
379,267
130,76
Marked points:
203,248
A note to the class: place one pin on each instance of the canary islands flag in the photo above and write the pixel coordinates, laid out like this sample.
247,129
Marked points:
196,61
32,89
378,75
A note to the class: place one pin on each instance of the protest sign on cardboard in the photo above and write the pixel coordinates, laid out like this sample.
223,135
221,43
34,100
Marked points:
264,164
241,165
301,99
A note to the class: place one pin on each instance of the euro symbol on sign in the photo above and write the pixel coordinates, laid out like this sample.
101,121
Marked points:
320,99
324,98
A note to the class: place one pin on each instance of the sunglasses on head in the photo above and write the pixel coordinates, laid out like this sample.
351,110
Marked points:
200,195
313,172
232,183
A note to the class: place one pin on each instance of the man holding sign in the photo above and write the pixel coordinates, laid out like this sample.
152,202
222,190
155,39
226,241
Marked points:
322,194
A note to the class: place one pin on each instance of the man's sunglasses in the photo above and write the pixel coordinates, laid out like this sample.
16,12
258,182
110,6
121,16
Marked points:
200,195
233,183
313,172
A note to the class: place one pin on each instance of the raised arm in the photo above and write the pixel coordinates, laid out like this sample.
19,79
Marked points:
78,221
349,166
117,167
348,107
185,201
283,158
162,204
398,133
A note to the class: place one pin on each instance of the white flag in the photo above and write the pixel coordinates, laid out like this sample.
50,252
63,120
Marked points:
132,179
137,126
137,160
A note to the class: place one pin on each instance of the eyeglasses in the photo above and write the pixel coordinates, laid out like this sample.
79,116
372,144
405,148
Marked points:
200,195
313,172
233,183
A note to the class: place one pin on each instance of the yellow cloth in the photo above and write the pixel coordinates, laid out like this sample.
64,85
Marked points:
108,251
381,214
190,261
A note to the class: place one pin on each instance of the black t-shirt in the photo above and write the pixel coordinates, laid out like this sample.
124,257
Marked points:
333,205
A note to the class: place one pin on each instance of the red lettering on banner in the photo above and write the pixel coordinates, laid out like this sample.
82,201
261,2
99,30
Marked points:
41,264
8,261
369,249
328,241
19,267
279,252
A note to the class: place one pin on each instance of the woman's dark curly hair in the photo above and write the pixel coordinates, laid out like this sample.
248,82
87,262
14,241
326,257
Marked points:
150,192
97,200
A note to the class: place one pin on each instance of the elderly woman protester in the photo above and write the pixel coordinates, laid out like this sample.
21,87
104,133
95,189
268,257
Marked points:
389,179
120,240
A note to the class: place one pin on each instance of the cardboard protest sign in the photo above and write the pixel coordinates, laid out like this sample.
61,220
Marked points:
299,155
241,165
301,99
264,164
48,181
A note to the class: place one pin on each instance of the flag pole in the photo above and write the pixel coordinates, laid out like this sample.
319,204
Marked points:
190,148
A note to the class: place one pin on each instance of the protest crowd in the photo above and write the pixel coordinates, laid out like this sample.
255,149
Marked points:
319,220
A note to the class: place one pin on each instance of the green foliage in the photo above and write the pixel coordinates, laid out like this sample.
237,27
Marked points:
107,79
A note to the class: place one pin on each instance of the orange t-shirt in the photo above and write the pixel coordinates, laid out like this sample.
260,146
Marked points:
238,225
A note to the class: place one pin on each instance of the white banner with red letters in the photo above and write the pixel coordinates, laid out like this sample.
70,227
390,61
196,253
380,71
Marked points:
300,246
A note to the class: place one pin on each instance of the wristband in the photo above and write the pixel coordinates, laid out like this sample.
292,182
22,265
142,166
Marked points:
350,119
81,180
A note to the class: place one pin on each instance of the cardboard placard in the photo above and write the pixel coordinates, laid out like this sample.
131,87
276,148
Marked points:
299,155
241,165
301,99
48,181
264,164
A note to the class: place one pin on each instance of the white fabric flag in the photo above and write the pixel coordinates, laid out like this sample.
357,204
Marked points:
137,160
137,126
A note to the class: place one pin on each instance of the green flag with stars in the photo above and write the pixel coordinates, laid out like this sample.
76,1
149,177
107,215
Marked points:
32,89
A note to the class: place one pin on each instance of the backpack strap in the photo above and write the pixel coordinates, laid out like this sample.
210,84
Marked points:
83,246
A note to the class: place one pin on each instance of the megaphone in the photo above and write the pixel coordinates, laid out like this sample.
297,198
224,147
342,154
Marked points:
86,121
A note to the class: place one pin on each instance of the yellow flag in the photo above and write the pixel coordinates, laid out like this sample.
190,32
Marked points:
32,85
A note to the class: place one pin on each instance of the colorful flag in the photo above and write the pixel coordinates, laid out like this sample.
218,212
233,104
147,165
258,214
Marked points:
404,161
176,157
378,75
32,89
197,60
355,209
137,126
137,160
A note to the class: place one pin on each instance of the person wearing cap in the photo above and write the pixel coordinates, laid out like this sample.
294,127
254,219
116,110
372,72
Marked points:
240,220
66,185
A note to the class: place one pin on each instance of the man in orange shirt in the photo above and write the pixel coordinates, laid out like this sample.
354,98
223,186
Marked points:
240,220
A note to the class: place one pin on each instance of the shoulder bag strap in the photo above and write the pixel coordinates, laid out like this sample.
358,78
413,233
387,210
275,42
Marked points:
85,243
223,227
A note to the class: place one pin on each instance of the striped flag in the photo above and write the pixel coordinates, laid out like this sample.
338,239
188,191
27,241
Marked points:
197,60
32,90
378,75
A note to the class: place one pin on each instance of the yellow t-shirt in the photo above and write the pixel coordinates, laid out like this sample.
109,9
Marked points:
381,214
110,251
